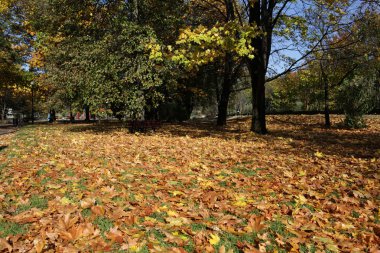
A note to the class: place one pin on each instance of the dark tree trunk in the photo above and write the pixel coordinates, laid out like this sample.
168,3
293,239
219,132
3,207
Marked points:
258,124
326,89
87,112
151,114
71,115
327,107
33,106
228,73
260,14
226,91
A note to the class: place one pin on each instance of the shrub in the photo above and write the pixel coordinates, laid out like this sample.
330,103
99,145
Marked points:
357,97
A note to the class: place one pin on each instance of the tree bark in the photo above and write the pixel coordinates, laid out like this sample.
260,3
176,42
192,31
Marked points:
228,73
327,102
226,91
135,11
258,124
260,14
87,112
71,115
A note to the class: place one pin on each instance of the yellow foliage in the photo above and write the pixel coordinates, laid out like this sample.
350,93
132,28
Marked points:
215,239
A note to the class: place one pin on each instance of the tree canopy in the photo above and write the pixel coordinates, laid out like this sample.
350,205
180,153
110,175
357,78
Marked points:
140,58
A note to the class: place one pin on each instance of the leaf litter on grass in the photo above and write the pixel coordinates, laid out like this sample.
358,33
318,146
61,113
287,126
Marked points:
191,188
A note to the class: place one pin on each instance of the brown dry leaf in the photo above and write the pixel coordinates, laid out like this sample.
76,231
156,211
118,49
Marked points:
87,203
115,235
39,245
98,210
255,224
5,245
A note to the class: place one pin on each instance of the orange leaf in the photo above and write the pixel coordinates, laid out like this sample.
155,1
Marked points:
98,210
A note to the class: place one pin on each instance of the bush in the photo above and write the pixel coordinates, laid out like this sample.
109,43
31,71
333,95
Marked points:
357,97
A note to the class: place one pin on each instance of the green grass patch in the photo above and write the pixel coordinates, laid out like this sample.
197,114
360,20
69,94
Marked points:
198,227
160,216
34,202
11,228
69,173
245,171
103,223
40,172
86,212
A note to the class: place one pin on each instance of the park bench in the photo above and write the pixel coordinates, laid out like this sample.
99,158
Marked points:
143,125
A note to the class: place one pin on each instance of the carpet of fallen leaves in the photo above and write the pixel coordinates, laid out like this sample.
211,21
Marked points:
191,188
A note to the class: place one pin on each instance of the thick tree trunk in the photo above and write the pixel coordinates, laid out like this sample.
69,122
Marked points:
258,124
226,91
260,14
228,73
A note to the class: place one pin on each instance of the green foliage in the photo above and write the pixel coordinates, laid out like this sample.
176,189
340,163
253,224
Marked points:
296,91
108,66
357,97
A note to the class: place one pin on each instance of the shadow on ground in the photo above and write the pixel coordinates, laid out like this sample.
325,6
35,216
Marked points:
305,134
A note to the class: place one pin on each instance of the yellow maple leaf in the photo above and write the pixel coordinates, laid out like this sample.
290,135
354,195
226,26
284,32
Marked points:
302,173
301,199
172,213
240,203
214,240
319,154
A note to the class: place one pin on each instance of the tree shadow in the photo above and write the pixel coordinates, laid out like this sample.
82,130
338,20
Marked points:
337,140
203,130
305,134
104,127
2,148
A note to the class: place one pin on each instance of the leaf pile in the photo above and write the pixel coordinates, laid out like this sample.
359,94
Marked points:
191,188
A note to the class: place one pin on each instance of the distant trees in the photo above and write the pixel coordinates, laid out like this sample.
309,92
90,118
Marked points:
154,59
346,67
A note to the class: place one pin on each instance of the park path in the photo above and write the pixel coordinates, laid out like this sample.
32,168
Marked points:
6,129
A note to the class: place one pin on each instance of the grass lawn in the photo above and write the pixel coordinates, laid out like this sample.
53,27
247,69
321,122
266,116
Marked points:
191,188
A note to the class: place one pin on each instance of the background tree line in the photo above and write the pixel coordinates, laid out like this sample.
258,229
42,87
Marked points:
161,59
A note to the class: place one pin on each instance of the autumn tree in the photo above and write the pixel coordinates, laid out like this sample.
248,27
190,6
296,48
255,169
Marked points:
13,50
284,27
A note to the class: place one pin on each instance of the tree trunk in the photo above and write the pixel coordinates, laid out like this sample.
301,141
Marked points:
33,106
326,88
327,107
260,14
226,91
135,11
87,112
258,99
71,115
228,69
